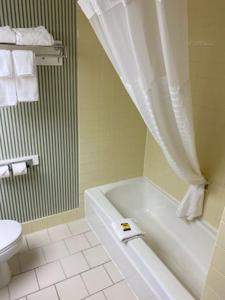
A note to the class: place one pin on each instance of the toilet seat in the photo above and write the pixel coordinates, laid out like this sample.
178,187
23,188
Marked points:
11,245
10,234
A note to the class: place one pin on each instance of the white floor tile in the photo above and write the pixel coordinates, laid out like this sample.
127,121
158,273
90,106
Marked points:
46,294
50,274
23,284
38,239
96,280
4,293
55,251
72,289
31,259
78,226
96,256
60,247
77,243
92,238
119,291
113,272
14,265
98,296
74,264
59,232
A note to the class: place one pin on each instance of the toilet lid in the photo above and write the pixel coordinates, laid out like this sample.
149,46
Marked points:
10,231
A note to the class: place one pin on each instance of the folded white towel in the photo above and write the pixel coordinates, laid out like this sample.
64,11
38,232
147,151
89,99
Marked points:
6,66
7,81
19,169
33,36
126,235
26,75
7,35
24,62
4,172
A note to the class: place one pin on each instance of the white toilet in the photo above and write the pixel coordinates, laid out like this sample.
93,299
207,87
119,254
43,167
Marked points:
10,243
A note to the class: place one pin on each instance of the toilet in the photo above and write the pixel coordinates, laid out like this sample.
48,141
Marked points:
10,243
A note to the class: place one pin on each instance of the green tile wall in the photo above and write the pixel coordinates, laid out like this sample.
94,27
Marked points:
47,127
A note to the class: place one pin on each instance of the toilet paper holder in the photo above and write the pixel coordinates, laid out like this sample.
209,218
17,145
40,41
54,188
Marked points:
29,164
29,160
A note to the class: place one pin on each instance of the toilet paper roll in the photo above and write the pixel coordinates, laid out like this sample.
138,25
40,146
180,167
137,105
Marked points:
4,172
19,169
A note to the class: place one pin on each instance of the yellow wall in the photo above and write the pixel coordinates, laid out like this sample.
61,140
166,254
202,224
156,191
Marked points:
215,283
207,69
111,132
157,169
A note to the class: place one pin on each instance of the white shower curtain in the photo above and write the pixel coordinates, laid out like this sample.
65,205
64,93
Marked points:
146,41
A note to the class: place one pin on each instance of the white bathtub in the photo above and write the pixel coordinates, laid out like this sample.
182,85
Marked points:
172,260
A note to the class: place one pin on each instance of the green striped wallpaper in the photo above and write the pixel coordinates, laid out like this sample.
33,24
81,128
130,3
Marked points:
47,127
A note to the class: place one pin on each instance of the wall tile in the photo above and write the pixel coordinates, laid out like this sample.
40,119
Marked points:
209,294
216,281
218,261
221,236
47,127
112,134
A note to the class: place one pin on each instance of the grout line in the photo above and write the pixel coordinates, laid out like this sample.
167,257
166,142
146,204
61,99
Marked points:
25,239
56,291
60,262
96,293
69,228
82,279
19,262
37,279
9,292
87,240
43,254
49,237
101,290
104,294
110,275
64,243
86,259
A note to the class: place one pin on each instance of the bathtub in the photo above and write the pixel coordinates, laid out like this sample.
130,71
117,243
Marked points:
172,260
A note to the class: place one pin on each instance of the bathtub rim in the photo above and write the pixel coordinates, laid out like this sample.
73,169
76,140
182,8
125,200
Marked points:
163,277
199,221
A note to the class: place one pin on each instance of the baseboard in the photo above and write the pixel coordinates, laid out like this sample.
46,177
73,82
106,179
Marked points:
53,220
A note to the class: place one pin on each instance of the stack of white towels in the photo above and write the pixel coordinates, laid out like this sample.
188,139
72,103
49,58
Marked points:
18,77
18,74
26,36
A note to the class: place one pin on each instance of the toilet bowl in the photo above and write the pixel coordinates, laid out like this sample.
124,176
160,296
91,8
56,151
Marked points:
10,243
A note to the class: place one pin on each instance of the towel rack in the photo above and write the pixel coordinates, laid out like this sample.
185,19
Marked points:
45,55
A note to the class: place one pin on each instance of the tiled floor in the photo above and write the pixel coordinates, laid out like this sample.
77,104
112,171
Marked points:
65,262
